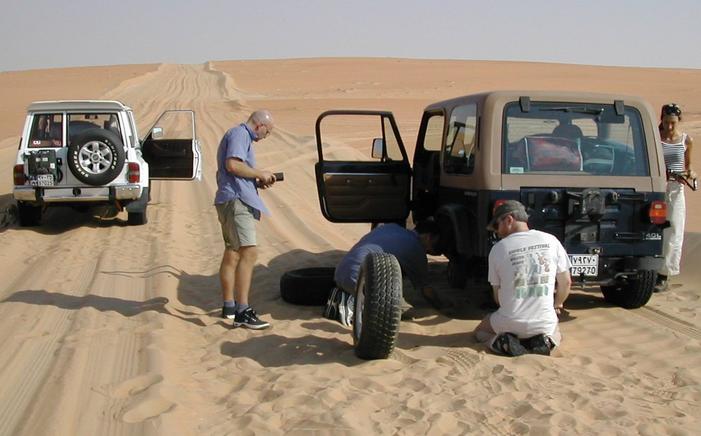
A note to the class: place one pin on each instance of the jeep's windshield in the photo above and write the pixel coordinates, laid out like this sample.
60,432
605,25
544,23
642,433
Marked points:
574,138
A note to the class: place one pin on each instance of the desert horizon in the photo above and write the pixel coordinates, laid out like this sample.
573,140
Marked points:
111,329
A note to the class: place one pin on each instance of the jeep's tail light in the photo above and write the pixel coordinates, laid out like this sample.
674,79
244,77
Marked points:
658,212
134,172
18,174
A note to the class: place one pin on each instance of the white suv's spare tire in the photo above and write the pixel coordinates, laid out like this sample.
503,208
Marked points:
96,156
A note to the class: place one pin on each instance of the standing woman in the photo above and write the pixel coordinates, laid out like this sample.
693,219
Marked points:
676,147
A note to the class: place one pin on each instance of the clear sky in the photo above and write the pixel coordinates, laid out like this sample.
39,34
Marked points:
45,34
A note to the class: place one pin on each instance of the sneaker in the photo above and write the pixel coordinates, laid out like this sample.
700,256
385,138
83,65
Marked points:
345,309
539,344
508,344
249,319
228,312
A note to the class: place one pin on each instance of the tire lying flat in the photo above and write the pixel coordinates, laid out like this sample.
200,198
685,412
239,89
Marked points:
307,286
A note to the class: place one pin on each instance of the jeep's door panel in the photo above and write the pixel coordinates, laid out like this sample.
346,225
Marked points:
171,148
356,187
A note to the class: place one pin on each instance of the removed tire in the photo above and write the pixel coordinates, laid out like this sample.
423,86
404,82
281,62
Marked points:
96,156
28,215
307,286
633,294
377,306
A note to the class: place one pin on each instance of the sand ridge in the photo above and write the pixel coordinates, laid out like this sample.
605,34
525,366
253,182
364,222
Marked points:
109,329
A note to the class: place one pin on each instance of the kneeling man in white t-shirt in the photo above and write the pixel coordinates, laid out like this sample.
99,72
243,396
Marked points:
529,274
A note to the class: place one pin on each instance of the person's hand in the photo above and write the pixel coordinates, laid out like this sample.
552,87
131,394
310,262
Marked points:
265,179
559,309
692,174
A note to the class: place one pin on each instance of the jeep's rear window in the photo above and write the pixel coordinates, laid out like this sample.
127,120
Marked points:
574,139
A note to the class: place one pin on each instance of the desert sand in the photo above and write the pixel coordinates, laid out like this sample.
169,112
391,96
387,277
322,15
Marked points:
109,329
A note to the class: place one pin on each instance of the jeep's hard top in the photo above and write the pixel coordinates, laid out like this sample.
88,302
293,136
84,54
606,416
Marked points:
490,141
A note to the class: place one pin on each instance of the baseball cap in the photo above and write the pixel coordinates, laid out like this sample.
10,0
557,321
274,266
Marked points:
507,207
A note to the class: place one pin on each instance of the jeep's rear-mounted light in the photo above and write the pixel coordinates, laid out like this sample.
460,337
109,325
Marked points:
134,173
18,174
658,212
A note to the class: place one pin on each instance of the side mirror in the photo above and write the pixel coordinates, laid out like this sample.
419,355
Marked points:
157,133
378,145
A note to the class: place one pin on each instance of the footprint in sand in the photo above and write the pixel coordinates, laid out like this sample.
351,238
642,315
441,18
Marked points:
147,408
134,385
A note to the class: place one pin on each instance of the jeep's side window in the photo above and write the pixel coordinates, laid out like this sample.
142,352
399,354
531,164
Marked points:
434,133
46,131
461,140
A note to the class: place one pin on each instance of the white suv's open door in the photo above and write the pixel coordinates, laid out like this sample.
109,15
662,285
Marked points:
171,147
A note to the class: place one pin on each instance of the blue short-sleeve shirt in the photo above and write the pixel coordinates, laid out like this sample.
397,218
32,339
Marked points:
237,143
404,244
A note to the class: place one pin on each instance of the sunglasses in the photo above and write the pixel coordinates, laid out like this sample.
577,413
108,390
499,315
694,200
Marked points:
671,109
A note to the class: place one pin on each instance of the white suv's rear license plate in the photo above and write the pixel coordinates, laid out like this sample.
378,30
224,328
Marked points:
587,264
45,180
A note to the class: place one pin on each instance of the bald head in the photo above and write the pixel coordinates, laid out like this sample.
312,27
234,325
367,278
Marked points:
261,122
261,116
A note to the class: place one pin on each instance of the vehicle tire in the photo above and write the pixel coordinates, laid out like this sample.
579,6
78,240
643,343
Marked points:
457,272
28,215
96,156
137,218
633,294
612,293
377,309
307,286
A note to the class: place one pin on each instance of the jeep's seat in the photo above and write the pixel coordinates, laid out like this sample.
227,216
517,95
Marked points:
568,131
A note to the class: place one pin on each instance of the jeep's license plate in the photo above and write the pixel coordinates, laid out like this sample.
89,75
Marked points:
45,180
584,264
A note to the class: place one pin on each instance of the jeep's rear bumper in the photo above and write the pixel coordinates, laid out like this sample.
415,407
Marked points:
613,269
86,194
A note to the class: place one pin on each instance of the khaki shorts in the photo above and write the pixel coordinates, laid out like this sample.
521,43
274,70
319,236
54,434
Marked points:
238,224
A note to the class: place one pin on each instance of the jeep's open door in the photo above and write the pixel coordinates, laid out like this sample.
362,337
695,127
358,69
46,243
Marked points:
363,173
171,148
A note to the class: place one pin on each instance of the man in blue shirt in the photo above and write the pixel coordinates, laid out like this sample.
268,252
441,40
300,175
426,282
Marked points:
408,246
239,207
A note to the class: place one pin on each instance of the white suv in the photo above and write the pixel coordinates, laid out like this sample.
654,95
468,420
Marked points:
88,153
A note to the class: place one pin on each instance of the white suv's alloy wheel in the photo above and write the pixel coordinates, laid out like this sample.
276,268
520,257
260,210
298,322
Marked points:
95,157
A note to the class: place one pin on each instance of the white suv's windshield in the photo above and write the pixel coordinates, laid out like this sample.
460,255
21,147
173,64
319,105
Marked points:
573,138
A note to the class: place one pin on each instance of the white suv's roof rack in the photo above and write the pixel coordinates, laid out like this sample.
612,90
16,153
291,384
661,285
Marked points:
77,105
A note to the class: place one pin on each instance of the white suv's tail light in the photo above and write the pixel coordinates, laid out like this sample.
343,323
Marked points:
134,172
18,175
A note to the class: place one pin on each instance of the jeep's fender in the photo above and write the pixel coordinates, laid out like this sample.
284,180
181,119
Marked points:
453,221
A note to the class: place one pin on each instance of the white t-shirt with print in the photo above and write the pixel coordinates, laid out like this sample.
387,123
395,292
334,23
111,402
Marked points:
523,265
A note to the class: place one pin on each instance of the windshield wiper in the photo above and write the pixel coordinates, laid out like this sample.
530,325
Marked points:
576,110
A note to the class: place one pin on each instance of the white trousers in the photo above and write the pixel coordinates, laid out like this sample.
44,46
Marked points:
673,236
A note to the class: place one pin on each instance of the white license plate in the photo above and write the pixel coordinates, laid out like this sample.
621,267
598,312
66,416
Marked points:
587,264
45,180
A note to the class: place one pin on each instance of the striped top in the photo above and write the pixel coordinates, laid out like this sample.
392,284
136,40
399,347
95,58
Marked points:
674,154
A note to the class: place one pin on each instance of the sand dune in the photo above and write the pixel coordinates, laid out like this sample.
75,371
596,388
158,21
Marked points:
109,329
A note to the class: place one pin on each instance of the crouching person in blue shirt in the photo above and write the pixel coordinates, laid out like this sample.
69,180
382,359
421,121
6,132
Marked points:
408,246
